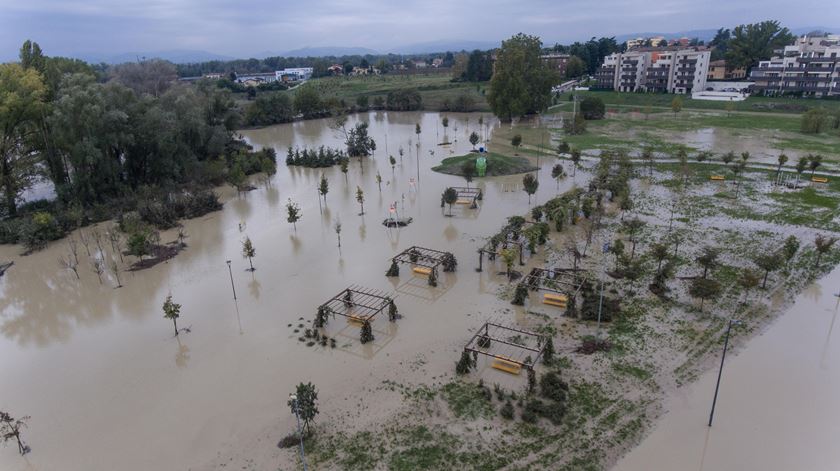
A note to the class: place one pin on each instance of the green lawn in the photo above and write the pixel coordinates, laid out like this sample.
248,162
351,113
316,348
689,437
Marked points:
761,104
497,164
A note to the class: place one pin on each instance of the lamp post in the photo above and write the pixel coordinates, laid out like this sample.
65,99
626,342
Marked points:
293,398
231,280
720,371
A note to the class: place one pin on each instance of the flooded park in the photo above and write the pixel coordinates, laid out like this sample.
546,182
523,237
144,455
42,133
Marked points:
108,386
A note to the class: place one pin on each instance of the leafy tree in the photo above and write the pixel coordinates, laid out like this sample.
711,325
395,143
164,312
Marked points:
801,165
270,109
393,162
814,162
633,228
172,310
10,428
708,259
823,245
813,121
22,94
324,187
479,67
659,252
293,213
782,160
417,131
748,280
563,147
768,262
379,181
720,43
676,105
727,158
790,248
148,77
575,67
468,170
308,102
521,82
516,140
358,142
703,288
344,166
474,139
575,158
509,257
751,43
464,364
305,404
248,251
360,198
592,108
362,102
450,196
558,173
530,185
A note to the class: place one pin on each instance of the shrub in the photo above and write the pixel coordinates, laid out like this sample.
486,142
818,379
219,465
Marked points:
552,387
592,108
507,411
403,100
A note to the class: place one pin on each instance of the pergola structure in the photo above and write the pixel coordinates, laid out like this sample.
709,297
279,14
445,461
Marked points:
357,304
510,348
565,282
492,253
468,195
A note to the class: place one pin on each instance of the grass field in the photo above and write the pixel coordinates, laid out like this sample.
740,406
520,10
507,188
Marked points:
759,104
433,88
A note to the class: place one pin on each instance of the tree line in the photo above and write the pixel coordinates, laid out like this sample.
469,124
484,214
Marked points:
108,143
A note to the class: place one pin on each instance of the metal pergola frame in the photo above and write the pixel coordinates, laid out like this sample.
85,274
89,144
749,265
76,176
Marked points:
544,278
429,258
520,243
511,351
417,288
370,300
472,194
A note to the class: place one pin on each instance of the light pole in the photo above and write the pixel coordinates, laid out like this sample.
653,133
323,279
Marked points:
293,398
720,371
231,280
604,250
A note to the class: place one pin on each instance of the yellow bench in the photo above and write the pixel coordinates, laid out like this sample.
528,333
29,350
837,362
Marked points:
819,179
717,177
557,300
463,201
506,366
422,271
357,318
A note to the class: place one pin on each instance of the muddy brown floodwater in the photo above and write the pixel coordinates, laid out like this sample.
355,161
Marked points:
109,387
778,407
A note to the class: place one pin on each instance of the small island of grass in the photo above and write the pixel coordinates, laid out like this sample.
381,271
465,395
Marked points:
497,164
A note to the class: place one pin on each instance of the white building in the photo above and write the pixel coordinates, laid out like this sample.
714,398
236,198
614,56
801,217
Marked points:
294,74
810,67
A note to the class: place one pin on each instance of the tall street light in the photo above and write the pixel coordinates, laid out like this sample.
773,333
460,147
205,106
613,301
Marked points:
293,398
720,371
231,280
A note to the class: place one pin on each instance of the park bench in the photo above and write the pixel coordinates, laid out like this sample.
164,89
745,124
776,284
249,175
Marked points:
717,178
504,364
422,271
819,179
557,300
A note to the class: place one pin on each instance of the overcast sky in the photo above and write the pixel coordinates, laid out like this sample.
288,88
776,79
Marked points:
242,28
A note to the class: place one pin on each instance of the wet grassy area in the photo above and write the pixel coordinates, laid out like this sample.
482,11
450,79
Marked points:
497,164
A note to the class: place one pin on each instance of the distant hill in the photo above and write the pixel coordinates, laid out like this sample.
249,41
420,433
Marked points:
326,51
178,56
444,45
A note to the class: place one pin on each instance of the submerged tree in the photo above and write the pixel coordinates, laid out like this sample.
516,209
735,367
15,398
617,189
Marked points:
474,139
248,251
509,257
432,279
344,165
394,269
304,403
337,228
366,334
519,295
360,198
393,162
324,187
748,280
530,185
450,196
10,429
379,181
172,310
293,213
464,364
575,156
557,173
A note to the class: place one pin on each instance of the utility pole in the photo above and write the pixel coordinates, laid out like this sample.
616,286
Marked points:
720,371
231,280
293,398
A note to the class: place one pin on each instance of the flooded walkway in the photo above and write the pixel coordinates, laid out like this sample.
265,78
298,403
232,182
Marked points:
778,408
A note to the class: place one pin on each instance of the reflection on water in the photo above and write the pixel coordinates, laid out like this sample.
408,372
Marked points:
93,364
777,408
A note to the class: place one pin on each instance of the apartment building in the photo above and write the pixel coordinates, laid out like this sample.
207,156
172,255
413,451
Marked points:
556,62
809,67
718,70
667,70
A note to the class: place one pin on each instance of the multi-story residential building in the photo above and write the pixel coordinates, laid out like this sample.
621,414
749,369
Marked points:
718,70
809,67
556,61
672,70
